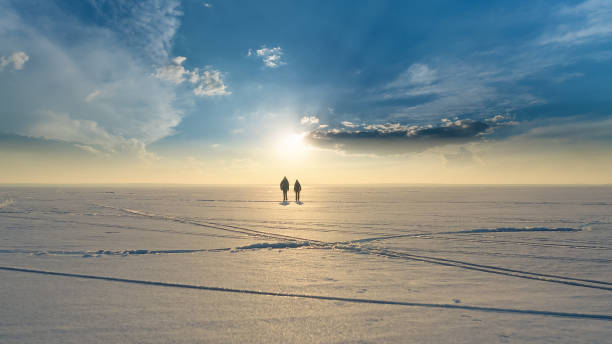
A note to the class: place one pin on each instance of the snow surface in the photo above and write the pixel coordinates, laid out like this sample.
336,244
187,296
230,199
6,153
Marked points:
504,264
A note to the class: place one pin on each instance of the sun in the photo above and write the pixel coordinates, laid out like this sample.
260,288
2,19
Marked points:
292,146
294,141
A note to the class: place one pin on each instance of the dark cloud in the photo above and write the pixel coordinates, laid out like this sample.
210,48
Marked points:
393,139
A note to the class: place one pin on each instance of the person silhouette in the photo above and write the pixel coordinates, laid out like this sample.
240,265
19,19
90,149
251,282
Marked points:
297,188
284,185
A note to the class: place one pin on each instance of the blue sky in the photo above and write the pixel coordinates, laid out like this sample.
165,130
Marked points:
215,81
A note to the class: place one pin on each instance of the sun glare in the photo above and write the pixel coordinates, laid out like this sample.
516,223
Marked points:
292,146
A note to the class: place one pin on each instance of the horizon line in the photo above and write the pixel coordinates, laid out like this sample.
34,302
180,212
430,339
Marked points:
318,184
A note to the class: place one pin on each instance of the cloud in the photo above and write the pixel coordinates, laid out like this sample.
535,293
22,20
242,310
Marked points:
147,26
309,120
416,74
349,124
94,89
209,81
461,158
582,23
174,72
90,149
60,126
499,80
208,5
90,97
88,134
573,129
211,84
397,139
271,57
496,118
477,89
17,59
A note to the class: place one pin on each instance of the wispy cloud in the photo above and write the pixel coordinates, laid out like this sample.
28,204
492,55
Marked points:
271,57
103,94
87,135
90,149
209,81
349,124
582,23
90,97
416,74
148,26
462,157
60,126
457,89
493,81
573,129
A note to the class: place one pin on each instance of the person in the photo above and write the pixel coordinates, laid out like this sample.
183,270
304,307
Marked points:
297,188
284,185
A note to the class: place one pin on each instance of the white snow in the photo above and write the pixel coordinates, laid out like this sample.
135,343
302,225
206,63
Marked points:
350,264
6,203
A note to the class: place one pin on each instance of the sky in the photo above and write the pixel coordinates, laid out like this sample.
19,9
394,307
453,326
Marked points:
329,92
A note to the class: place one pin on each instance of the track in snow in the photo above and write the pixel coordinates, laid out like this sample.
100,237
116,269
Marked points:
604,317
351,247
